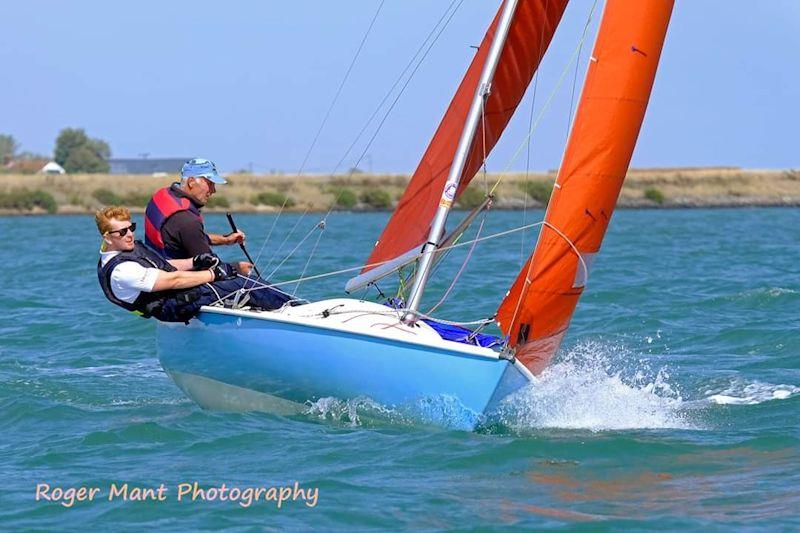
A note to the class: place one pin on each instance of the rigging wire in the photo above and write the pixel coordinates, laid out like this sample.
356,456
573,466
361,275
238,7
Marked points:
575,57
485,213
436,32
574,84
280,248
528,139
397,98
549,101
221,299
460,270
341,86
396,82
325,119
457,245
321,227
299,244
526,142
532,129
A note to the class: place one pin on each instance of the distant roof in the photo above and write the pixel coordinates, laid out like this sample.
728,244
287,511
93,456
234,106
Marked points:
52,168
171,165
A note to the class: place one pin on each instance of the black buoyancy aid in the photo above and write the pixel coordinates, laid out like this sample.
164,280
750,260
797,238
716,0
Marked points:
165,203
147,304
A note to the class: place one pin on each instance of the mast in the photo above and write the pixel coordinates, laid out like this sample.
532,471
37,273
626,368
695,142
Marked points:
407,230
460,159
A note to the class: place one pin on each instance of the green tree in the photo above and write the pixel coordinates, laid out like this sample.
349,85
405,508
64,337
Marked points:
8,147
471,198
344,198
275,199
654,195
376,198
538,190
77,152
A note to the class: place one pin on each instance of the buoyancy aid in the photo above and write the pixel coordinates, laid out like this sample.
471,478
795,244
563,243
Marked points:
167,306
165,203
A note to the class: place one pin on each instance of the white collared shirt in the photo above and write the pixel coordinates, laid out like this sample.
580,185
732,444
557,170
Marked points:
129,278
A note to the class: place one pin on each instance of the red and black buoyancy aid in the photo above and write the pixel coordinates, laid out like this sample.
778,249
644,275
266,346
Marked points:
165,203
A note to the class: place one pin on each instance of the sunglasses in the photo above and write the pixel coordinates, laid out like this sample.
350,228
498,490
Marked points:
124,231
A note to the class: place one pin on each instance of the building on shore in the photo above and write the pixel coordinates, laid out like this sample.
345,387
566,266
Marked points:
52,168
171,165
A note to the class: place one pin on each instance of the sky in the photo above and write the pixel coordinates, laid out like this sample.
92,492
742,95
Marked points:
248,83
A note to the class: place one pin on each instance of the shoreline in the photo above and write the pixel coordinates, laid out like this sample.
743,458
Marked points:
217,211
656,188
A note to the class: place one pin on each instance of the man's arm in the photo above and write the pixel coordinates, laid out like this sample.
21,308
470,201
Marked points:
231,238
130,277
182,279
243,267
182,264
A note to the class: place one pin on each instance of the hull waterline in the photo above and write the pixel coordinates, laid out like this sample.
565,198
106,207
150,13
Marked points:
281,361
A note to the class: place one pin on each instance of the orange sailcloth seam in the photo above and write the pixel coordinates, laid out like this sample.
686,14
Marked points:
538,309
529,35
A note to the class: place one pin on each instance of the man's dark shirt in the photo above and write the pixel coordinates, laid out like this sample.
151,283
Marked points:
184,235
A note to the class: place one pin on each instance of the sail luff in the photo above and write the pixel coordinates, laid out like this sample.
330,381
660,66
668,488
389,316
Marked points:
528,37
538,309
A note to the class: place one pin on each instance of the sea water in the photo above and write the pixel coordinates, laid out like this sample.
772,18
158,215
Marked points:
673,403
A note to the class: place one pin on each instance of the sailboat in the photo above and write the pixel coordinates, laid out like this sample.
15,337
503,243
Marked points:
279,361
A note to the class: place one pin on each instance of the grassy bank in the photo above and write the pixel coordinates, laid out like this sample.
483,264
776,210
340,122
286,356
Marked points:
678,187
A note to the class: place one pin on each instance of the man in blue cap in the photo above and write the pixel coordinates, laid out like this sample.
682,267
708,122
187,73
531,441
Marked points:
173,222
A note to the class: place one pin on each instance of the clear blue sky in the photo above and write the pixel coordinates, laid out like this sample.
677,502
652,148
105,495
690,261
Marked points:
249,82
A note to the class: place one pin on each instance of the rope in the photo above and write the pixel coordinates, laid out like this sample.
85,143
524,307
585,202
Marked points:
388,312
460,271
483,219
458,245
393,312
259,285
528,281
575,56
483,139
221,299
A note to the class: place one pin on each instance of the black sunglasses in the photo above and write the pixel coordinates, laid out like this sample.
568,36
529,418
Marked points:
124,231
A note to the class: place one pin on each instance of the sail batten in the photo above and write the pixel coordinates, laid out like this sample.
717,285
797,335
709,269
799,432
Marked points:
537,311
528,37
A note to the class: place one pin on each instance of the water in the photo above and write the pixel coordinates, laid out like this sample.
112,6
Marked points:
673,403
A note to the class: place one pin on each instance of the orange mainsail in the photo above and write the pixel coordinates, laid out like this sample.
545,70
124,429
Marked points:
529,35
538,309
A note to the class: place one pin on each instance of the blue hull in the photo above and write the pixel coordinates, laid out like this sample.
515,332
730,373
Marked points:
302,363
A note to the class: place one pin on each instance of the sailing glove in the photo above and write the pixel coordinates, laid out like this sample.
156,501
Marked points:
223,271
204,261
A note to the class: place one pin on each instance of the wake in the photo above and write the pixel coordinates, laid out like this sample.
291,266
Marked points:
597,387
594,386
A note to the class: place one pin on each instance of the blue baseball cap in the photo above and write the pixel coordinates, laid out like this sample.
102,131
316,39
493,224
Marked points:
202,168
